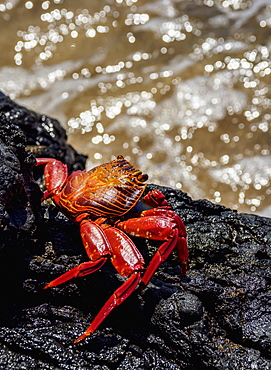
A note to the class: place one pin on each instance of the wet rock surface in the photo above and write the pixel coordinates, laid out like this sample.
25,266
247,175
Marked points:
217,317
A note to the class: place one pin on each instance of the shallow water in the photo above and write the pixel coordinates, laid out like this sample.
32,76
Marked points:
180,88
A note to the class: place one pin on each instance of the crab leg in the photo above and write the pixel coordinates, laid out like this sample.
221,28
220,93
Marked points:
159,224
155,198
160,256
123,292
181,244
83,269
98,249
128,262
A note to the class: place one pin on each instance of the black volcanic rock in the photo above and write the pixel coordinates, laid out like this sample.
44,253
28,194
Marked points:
217,317
44,136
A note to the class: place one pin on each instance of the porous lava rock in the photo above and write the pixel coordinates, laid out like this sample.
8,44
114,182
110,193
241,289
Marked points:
217,317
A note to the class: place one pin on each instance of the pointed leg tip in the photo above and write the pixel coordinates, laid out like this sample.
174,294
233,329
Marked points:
82,337
47,286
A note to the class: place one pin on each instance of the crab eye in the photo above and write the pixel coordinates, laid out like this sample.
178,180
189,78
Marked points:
144,177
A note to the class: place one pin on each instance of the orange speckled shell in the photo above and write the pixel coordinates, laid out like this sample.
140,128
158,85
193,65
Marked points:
108,190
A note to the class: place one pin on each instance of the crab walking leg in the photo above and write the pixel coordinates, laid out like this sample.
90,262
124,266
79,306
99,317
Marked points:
181,245
83,269
129,262
98,250
160,256
158,224
155,198
182,250
123,292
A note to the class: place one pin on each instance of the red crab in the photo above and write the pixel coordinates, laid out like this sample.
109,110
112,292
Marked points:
106,202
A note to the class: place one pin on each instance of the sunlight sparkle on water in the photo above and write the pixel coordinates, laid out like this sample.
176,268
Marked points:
184,97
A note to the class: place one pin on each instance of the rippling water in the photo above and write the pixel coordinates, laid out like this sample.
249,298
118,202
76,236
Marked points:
180,88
